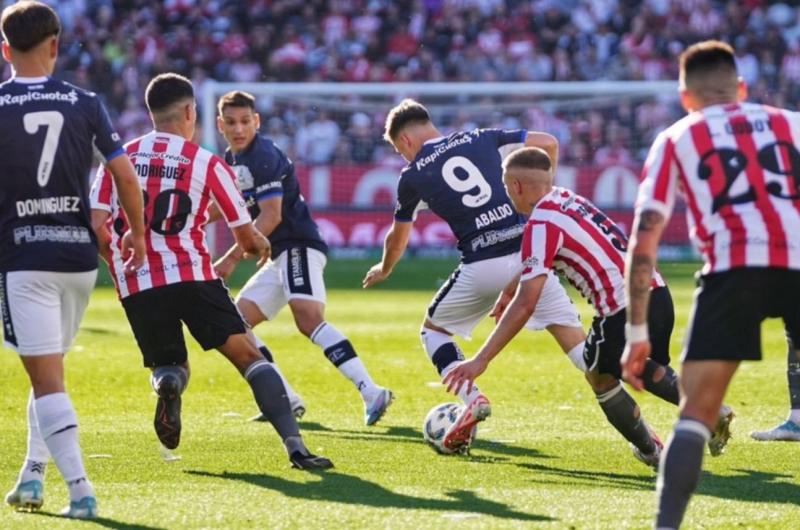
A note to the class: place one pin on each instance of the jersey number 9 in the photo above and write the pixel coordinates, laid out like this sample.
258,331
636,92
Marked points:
474,181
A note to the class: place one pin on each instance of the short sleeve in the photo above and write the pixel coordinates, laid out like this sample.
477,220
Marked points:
268,176
106,139
101,196
506,140
409,201
541,242
659,178
222,184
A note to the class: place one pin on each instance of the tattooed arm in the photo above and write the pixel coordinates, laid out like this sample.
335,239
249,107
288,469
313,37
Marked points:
641,260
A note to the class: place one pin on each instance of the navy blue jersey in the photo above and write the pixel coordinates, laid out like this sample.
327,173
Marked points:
459,178
49,130
264,171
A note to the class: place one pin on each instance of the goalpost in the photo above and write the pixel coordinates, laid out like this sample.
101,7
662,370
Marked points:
604,127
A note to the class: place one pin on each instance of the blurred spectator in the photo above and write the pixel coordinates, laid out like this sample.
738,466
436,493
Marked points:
316,142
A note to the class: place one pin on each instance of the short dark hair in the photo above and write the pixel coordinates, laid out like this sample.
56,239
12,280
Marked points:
166,89
236,98
27,24
710,57
528,158
405,113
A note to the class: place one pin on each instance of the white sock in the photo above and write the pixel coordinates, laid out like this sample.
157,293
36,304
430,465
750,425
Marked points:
576,356
326,336
38,454
463,394
58,425
794,416
290,393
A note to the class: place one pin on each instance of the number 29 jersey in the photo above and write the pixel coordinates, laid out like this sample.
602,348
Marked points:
459,178
179,179
738,167
49,130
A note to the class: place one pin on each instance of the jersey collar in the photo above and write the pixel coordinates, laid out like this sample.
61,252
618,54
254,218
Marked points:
30,80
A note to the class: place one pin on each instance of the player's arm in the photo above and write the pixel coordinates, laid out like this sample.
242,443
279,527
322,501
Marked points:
513,320
393,248
546,142
268,219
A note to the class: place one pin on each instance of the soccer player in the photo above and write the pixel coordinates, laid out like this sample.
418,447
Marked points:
459,178
177,285
294,275
48,252
789,430
567,233
737,165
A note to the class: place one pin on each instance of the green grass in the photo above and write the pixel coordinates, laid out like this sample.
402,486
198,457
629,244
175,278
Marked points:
547,457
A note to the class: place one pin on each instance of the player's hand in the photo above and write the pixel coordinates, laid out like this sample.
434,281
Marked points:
134,250
225,266
464,372
500,306
262,251
633,360
374,275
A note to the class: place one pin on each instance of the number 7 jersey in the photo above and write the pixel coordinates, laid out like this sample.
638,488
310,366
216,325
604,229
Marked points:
738,167
179,179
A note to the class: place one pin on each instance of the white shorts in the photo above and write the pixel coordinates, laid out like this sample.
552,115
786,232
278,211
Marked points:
472,290
295,273
42,310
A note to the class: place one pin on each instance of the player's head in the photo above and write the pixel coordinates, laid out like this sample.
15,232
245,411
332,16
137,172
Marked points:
170,100
237,119
527,176
30,36
408,126
708,76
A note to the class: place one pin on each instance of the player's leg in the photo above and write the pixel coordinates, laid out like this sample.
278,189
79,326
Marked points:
304,287
789,430
602,353
704,384
556,313
44,310
262,298
213,320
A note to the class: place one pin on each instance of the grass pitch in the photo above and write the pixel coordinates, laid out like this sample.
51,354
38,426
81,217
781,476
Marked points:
547,457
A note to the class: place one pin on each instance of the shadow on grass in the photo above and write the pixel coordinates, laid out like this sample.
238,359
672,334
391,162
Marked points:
348,489
600,479
413,435
751,486
100,521
99,331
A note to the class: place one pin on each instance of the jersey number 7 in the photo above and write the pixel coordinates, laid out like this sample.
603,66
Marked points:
54,122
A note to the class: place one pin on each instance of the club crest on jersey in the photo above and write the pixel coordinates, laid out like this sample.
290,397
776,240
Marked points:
244,177
70,97
493,215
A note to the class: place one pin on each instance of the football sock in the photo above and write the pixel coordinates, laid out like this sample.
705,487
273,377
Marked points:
58,425
793,375
342,355
679,471
464,394
38,454
444,353
623,413
268,356
177,377
665,386
576,356
270,395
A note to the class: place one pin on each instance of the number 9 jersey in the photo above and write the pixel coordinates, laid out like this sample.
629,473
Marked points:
179,179
459,178
739,168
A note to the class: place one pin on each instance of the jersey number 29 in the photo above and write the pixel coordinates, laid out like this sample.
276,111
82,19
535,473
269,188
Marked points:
54,122
474,180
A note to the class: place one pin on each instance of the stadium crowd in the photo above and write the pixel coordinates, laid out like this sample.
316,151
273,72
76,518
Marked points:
114,47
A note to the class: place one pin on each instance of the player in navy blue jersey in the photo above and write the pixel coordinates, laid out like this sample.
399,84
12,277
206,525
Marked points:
294,274
459,178
48,251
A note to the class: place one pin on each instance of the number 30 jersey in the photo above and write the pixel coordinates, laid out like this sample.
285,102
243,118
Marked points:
49,130
738,167
179,179
569,234
459,178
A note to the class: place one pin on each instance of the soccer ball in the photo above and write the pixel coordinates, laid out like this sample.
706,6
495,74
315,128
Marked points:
437,422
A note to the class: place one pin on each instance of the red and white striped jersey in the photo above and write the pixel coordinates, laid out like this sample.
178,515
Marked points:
178,179
569,234
738,167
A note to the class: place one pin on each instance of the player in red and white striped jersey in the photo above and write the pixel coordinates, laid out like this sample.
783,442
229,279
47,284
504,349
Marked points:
567,233
738,166
178,285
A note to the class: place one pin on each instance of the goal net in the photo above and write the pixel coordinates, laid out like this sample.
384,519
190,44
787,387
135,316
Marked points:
348,174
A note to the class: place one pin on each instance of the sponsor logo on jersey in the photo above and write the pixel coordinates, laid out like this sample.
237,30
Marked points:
530,262
70,97
296,260
49,205
161,156
493,215
442,149
493,237
52,234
